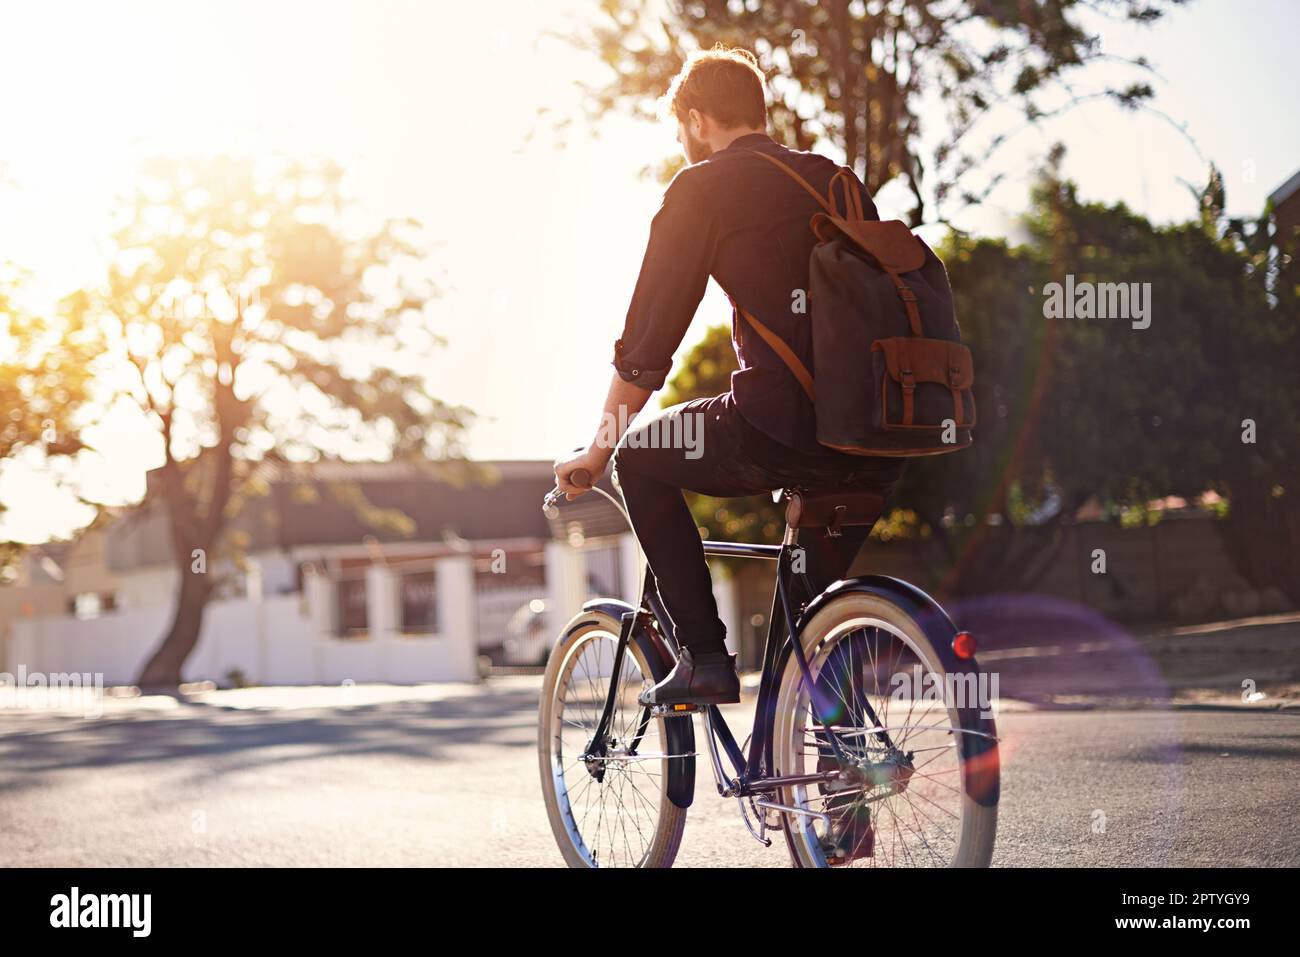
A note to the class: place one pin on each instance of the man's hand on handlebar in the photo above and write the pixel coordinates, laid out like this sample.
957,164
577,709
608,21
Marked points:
574,476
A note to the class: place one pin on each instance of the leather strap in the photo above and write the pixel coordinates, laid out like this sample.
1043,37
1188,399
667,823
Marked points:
849,186
909,303
821,200
785,353
844,176
908,380
853,210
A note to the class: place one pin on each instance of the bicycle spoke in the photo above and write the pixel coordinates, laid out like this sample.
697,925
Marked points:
913,782
612,821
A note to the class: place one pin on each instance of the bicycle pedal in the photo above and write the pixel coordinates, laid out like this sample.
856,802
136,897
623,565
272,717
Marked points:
673,710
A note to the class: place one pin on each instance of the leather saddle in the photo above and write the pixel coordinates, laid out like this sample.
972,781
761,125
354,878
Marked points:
832,509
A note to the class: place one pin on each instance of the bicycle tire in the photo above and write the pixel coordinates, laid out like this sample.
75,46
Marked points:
555,760
839,618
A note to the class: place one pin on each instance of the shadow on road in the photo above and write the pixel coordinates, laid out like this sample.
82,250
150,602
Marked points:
236,738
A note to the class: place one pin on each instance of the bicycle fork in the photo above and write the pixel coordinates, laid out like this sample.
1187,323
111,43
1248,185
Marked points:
598,747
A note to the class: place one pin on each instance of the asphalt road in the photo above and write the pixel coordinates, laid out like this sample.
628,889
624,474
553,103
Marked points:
449,778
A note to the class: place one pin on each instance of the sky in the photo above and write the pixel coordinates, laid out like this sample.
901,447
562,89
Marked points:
433,112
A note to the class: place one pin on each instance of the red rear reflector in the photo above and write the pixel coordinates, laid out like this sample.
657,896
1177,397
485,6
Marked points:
963,644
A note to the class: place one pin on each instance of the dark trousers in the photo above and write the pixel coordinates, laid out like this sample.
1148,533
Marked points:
706,446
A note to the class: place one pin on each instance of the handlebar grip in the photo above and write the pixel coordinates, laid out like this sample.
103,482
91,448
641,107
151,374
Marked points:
580,478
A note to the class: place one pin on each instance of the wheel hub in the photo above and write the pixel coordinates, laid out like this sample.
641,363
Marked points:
597,759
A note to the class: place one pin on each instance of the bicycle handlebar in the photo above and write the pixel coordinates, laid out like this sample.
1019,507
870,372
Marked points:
579,477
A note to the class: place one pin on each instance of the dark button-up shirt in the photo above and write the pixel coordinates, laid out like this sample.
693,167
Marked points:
739,219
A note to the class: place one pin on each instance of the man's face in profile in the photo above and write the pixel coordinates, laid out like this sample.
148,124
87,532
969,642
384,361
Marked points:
696,151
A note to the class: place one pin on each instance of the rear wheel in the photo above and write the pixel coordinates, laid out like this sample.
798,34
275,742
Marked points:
610,807
908,802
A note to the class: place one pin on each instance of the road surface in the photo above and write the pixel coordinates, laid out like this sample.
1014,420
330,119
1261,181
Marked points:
448,776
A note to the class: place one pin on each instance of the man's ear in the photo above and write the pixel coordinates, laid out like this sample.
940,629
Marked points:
697,123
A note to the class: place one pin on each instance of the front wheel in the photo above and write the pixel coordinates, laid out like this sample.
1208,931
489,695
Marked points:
608,807
920,792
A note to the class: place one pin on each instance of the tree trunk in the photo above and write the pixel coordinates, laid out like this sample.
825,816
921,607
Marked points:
1262,536
164,668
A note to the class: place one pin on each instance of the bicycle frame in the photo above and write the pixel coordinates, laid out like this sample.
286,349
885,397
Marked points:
750,775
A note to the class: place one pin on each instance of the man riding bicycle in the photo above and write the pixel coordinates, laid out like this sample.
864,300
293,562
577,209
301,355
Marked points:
733,216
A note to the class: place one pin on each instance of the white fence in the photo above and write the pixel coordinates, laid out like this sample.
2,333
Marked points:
275,640
293,639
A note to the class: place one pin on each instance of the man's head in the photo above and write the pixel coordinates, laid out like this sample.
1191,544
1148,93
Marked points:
717,97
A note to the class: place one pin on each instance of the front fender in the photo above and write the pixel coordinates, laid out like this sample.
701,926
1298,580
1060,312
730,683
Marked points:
980,750
679,734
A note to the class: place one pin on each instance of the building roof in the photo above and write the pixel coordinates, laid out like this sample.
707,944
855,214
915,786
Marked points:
1285,191
341,503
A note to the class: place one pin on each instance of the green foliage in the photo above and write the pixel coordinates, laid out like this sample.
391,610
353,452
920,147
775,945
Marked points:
1259,346
855,74
45,375
1072,409
708,370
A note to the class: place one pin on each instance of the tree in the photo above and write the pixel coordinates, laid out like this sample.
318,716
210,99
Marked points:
1257,353
44,383
250,325
855,74
1072,409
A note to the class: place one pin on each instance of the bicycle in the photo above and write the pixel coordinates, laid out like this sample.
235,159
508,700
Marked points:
825,763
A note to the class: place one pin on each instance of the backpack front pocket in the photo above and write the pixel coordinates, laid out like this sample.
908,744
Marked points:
922,384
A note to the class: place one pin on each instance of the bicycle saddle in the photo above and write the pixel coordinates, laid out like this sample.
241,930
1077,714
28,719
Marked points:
832,509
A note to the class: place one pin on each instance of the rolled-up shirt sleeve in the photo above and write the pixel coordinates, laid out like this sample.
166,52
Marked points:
673,276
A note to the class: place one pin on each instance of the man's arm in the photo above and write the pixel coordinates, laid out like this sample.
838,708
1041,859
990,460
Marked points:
623,401
674,272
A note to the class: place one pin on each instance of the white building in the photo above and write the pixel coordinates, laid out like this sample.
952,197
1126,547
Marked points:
361,572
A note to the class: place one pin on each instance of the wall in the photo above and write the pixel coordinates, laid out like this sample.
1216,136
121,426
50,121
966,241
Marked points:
278,640
1175,571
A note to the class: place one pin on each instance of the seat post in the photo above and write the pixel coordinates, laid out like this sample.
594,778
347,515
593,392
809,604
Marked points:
791,536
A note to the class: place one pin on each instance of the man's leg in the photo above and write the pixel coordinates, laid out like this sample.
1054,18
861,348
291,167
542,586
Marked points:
728,458
652,468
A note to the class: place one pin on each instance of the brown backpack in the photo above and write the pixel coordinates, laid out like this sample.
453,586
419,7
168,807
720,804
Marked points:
892,375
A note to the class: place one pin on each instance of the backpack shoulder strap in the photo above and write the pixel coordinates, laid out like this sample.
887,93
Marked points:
852,198
779,346
821,200
847,179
